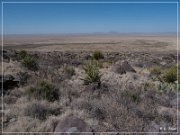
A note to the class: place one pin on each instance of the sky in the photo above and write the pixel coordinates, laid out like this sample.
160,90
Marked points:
61,18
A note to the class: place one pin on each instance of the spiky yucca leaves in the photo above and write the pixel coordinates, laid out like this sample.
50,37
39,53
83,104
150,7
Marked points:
92,73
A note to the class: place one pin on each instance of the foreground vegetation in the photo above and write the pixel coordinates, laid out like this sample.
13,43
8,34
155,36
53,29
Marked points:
68,84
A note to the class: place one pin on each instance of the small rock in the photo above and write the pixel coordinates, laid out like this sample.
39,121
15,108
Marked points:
122,68
118,69
127,67
163,63
12,120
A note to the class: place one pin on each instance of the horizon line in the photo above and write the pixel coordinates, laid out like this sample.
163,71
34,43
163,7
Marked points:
97,33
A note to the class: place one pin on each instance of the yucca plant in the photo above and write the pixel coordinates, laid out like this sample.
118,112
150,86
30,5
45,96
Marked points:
92,73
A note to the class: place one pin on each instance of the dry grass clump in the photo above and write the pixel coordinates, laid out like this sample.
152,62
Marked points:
98,55
92,73
119,116
43,90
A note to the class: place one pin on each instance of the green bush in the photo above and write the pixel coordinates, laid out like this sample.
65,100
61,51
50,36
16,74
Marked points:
92,73
27,60
98,55
43,90
170,75
21,55
30,63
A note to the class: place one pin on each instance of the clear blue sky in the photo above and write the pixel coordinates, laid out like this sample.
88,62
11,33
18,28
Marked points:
89,18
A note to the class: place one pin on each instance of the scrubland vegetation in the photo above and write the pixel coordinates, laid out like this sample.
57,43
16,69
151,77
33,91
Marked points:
87,86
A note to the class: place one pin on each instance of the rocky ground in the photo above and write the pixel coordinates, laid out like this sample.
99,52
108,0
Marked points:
124,92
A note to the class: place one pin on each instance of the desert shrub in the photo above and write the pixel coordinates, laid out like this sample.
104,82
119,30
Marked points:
92,73
118,114
43,90
27,60
98,55
21,55
30,62
170,75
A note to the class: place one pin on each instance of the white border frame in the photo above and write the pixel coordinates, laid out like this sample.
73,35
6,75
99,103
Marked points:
177,3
